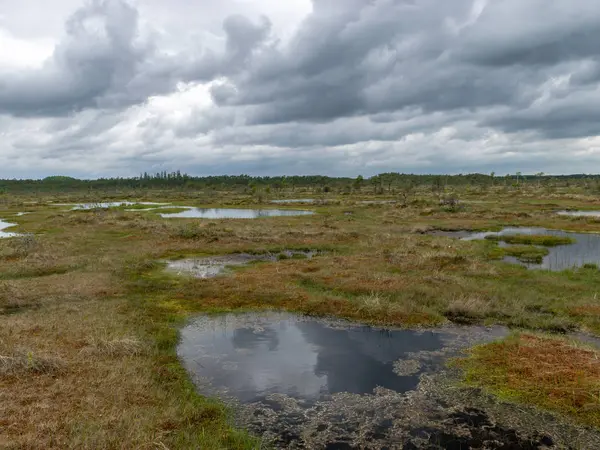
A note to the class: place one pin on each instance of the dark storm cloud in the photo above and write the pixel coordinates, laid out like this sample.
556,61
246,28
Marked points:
104,61
359,84
98,57
348,58
533,32
356,58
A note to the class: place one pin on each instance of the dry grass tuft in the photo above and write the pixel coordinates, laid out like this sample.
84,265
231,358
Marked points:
374,302
467,310
23,363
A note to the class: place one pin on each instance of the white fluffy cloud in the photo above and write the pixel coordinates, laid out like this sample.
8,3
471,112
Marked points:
340,87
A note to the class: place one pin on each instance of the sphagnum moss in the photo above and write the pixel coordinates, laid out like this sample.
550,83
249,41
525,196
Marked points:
548,372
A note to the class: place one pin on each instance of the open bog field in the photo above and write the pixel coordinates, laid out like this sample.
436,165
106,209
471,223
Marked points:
391,307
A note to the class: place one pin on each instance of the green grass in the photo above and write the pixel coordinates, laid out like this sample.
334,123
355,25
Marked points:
532,239
201,422
525,253
171,210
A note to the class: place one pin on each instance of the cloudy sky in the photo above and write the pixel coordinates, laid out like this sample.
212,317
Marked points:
94,88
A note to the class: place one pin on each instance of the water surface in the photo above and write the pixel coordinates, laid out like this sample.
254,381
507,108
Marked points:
212,266
233,213
252,356
3,226
584,250
326,384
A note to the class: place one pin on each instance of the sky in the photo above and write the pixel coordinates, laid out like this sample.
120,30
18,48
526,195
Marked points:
98,88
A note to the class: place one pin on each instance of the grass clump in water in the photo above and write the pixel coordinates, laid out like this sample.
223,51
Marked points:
550,373
526,253
532,239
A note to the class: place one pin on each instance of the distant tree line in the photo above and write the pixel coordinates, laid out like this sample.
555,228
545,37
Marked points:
382,183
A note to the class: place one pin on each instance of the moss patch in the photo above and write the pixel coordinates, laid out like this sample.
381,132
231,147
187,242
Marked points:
547,372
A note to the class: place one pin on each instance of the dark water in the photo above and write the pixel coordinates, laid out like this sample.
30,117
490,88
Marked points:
231,213
3,226
306,383
585,249
250,356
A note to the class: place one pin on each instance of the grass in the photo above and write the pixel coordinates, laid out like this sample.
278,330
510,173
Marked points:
87,294
532,239
26,363
547,372
524,253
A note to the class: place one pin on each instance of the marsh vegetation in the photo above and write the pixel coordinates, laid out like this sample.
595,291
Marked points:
90,320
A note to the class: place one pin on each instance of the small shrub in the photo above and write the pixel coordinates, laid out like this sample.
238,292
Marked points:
451,204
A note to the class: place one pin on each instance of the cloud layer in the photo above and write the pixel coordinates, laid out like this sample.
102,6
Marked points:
337,87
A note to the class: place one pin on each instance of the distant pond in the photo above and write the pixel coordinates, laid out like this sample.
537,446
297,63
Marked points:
3,226
232,213
584,250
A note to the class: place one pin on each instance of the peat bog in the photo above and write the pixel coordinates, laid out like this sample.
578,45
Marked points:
383,328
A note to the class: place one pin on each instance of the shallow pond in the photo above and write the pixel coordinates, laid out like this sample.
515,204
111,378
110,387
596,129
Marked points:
585,249
213,266
302,382
250,356
3,226
233,213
